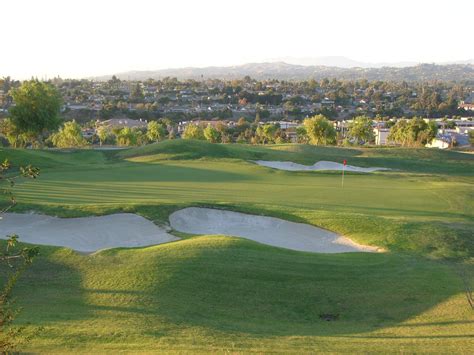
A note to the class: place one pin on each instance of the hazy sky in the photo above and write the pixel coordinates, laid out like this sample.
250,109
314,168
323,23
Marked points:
74,38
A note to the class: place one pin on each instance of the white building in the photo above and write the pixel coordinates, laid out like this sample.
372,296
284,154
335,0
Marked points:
381,135
438,143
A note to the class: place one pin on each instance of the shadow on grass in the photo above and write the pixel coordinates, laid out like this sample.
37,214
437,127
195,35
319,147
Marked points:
232,285
246,287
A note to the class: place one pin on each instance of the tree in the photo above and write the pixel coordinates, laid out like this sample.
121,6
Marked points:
36,110
140,137
471,137
320,131
266,133
413,132
211,134
15,259
137,93
15,138
155,131
102,134
301,135
126,137
242,122
361,131
193,131
69,136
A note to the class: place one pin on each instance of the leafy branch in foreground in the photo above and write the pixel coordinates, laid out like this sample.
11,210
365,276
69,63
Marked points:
15,260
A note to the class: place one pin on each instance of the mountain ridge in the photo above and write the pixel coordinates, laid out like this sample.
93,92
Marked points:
285,71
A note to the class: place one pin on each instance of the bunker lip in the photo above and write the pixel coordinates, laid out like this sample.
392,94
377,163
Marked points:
265,230
85,234
318,166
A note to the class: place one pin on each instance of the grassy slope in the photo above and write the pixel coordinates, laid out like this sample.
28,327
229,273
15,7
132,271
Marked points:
220,293
230,294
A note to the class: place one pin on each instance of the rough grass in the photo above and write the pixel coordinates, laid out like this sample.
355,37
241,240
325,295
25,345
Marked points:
214,293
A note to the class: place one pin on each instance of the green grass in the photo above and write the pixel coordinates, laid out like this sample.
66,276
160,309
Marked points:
214,293
227,294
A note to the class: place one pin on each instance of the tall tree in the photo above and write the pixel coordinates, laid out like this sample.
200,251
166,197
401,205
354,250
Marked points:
413,132
137,93
102,134
266,133
361,130
69,136
193,131
155,131
126,137
37,107
211,134
320,130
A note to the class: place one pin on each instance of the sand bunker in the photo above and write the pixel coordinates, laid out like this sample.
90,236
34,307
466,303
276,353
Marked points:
265,230
320,165
86,234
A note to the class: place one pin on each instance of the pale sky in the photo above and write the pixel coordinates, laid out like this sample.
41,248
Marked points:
79,38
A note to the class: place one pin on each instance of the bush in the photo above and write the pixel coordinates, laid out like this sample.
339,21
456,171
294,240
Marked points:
126,137
69,136
193,131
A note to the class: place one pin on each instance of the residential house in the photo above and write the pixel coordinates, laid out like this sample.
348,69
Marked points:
381,135
468,103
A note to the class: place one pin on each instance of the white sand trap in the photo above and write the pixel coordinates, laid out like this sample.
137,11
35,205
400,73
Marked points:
320,165
87,234
265,230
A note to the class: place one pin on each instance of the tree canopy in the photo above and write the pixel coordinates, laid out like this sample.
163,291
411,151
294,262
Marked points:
102,134
37,107
320,130
69,136
193,131
155,131
360,130
212,134
126,137
266,133
413,132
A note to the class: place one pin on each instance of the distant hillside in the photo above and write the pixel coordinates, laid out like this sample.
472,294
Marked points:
285,71
344,62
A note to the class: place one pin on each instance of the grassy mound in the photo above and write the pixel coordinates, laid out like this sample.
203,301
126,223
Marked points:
179,149
405,159
216,293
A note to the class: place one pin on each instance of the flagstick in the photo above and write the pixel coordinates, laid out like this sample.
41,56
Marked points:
342,184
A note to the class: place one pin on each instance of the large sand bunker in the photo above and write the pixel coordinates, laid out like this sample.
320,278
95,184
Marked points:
320,165
265,230
87,234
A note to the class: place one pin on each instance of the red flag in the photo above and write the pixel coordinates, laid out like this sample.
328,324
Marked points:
345,162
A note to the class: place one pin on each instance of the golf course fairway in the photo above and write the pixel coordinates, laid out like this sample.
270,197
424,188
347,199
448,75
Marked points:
215,293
